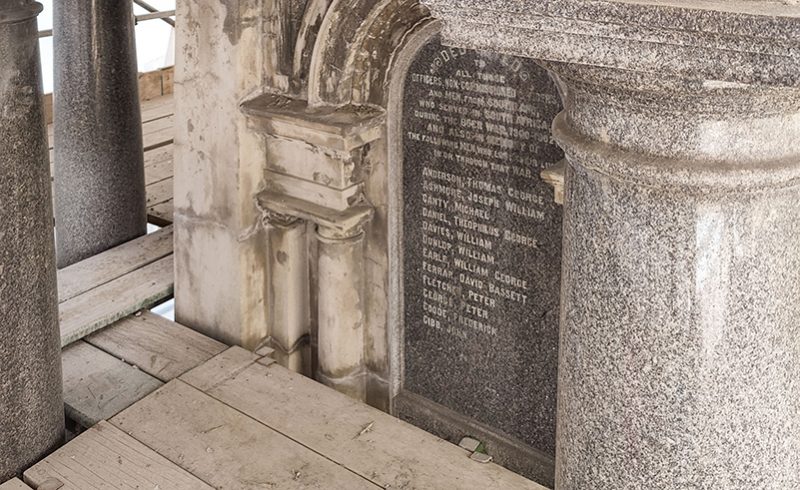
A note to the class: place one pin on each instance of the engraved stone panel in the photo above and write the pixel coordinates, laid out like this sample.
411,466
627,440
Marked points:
481,247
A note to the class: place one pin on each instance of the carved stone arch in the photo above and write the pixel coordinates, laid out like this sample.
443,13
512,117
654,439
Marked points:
313,17
354,49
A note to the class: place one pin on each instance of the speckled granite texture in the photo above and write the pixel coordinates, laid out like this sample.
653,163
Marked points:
99,166
31,405
748,42
679,341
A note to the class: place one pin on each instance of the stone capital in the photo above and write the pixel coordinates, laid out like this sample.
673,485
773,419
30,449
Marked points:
332,224
18,10
693,96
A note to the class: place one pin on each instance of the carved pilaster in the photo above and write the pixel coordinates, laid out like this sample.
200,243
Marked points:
315,175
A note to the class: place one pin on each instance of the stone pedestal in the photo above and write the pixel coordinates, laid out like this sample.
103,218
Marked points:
289,292
99,166
679,353
31,403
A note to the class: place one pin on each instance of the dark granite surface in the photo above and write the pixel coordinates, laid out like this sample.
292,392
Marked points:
31,405
99,163
482,240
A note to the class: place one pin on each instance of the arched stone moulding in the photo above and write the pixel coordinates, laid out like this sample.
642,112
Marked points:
681,268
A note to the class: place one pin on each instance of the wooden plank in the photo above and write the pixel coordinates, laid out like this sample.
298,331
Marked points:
150,85
161,214
158,164
371,443
98,386
158,108
158,125
168,77
157,346
15,484
102,306
105,457
223,366
100,269
225,448
159,193
157,139
48,108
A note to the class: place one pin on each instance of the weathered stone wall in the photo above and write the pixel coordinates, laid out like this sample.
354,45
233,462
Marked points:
220,262
321,54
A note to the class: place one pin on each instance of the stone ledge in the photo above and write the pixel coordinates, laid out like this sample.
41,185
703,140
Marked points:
339,221
339,128
743,42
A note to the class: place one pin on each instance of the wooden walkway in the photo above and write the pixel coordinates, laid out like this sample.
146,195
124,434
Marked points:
239,420
157,405
158,121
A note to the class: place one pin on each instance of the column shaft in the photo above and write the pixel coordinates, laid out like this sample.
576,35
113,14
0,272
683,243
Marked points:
289,294
31,402
99,165
341,312
679,345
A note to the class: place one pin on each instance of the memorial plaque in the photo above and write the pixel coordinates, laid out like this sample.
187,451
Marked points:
482,242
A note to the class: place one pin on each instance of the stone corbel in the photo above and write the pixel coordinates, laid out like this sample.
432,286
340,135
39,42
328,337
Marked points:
316,167
554,176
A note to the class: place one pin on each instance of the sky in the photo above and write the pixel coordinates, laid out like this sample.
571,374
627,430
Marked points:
154,41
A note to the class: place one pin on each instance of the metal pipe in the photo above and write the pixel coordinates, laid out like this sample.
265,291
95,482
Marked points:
152,9
165,16
156,15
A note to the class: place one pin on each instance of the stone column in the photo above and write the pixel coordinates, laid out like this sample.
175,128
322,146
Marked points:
99,166
679,362
679,356
288,291
340,340
31,404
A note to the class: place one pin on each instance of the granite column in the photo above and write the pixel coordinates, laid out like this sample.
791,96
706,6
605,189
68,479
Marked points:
99,164
31,401
679,354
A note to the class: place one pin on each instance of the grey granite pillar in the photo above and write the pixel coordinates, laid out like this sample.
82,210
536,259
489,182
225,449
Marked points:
340,297
31,404
99,167
680,325
288,291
